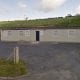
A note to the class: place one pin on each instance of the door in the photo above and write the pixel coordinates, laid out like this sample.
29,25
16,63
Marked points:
37,35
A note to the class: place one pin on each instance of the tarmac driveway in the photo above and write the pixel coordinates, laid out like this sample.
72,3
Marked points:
47,60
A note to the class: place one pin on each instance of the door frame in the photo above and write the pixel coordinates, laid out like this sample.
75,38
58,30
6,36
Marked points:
37,35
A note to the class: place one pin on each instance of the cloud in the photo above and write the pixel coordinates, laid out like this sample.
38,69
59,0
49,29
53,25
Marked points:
4,9
77,10
22,5
50,5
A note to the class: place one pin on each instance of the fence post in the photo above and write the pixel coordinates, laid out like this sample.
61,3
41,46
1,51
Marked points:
16,55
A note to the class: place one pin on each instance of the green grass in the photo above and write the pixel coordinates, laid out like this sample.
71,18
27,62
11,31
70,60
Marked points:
9,69
50,22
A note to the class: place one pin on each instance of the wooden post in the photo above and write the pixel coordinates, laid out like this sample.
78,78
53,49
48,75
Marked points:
16,55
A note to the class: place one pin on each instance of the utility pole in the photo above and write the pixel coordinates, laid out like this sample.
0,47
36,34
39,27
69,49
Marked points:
16,55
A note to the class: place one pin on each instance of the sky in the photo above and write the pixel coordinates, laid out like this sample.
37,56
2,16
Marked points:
35,9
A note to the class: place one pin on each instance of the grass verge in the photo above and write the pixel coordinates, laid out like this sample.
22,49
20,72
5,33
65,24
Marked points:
9,69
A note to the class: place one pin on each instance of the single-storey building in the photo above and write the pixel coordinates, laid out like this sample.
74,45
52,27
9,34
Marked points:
41,34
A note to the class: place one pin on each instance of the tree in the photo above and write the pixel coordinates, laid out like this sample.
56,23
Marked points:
26,18
77,15
69,15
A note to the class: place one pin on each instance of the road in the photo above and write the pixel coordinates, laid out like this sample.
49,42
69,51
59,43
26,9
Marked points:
47,60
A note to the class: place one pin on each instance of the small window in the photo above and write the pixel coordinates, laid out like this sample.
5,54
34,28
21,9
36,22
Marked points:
21,33
5,33
55,32
71,32
41,33
9,33
27,33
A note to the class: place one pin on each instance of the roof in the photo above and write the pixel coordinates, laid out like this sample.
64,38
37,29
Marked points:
42,27
50,23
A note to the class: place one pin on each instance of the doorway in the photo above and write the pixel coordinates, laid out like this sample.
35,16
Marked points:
37,35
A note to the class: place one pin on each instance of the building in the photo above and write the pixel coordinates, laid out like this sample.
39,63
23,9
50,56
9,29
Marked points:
41,34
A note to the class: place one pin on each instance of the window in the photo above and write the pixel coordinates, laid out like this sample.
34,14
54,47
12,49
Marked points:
71,32
55,32
9,33
41,33
27,33
5,33
21,33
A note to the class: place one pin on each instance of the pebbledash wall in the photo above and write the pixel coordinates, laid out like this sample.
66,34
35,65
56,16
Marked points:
42,35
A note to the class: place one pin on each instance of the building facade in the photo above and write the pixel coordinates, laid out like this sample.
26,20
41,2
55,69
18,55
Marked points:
42,35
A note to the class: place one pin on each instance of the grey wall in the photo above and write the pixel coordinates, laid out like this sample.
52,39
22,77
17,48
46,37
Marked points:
58,35
17,35
61,35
